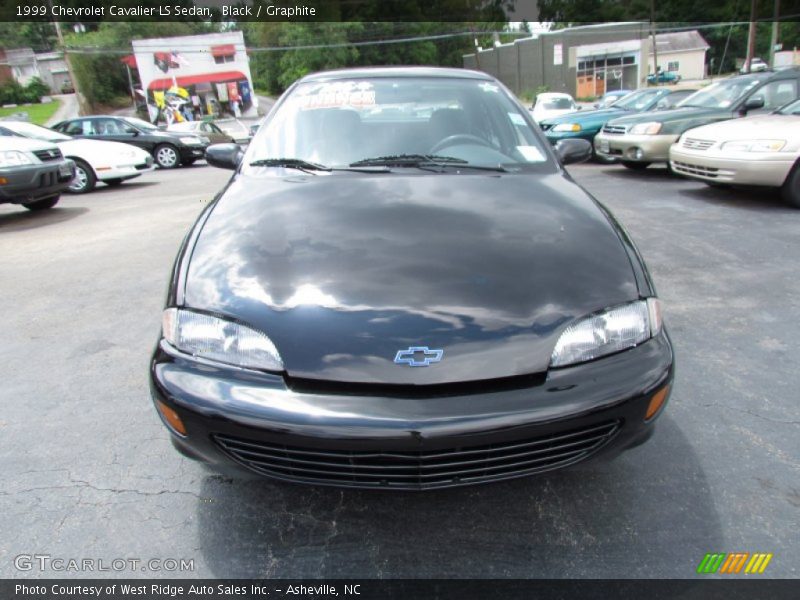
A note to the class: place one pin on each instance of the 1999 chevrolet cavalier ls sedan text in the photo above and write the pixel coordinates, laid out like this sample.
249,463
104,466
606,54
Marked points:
402,288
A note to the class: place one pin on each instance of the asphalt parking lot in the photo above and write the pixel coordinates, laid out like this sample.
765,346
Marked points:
88,470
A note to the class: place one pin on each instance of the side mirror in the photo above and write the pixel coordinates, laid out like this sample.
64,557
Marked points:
224,156
573,150
753,103
581,108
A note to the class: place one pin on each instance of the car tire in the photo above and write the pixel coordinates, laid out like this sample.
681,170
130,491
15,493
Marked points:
84,180
790,190
43,204
113,182
166,156
636,166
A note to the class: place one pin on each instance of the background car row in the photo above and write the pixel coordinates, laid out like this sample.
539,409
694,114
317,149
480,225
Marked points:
37,164
744,130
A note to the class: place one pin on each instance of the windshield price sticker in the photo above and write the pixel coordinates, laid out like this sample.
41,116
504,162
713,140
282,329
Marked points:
334,95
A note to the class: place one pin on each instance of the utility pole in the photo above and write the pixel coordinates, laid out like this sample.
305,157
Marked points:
751,37
773,40
82,108
653,34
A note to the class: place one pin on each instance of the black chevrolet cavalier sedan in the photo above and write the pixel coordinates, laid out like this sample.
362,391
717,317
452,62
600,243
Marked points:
402,288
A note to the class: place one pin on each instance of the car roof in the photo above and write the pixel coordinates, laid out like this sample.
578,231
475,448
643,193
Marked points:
397,72
553,95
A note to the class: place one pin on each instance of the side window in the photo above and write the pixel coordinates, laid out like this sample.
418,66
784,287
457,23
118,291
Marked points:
777,93
205,128
214,128
106,127
5,132
78,128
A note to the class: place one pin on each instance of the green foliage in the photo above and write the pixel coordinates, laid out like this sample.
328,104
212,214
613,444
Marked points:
13,93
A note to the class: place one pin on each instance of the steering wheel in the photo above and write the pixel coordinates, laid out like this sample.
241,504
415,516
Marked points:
452,140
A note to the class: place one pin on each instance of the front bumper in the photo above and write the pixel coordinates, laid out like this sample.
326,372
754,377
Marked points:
555,136
30,183
634,148
253,420
126,171
750,168
192,152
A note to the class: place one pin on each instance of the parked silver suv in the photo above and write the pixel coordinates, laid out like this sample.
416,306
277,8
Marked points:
32,173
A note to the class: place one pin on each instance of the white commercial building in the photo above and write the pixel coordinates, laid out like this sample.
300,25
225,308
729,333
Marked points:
214,69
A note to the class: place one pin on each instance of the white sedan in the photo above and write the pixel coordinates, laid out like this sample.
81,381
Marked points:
95,160
552,104
762,150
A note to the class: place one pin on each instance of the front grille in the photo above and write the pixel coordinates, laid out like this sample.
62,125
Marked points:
47,180
46,155
614,129
419,469
695,144
695,169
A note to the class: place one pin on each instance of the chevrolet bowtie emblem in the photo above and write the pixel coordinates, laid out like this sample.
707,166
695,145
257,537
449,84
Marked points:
418,356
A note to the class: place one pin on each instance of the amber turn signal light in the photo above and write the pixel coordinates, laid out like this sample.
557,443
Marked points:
656,402
171,417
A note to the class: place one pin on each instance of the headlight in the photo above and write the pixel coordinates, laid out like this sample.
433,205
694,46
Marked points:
13,158
567,127
213,338
191,141
613,330
650,128
753,145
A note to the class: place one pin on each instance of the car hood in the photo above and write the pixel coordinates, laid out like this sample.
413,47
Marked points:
13,142
585,116
670,115
754,128
344,270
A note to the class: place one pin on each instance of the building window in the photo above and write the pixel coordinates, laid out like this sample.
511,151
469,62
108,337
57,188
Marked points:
673,65
224,59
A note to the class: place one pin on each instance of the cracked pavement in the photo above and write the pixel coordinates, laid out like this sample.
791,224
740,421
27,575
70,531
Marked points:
88,471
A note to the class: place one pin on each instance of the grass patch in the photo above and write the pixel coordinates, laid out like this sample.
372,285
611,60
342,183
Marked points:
37,113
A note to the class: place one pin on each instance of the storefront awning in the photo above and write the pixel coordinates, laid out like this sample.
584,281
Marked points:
223,50
187,80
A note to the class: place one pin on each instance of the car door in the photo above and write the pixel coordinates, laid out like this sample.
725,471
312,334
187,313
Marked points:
116,130
774,94
213,133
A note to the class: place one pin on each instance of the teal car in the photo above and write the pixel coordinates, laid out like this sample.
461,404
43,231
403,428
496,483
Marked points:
664,77
587,123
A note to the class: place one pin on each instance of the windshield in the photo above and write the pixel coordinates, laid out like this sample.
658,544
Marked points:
338,123
557,103
791,109
721,94
35,132
638,100
139,124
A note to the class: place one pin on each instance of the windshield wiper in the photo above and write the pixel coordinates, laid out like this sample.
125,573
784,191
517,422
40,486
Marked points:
407,160
422,161
292,163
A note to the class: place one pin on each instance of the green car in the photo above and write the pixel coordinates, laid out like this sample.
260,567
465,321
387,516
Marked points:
664,77
587,123
639,140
